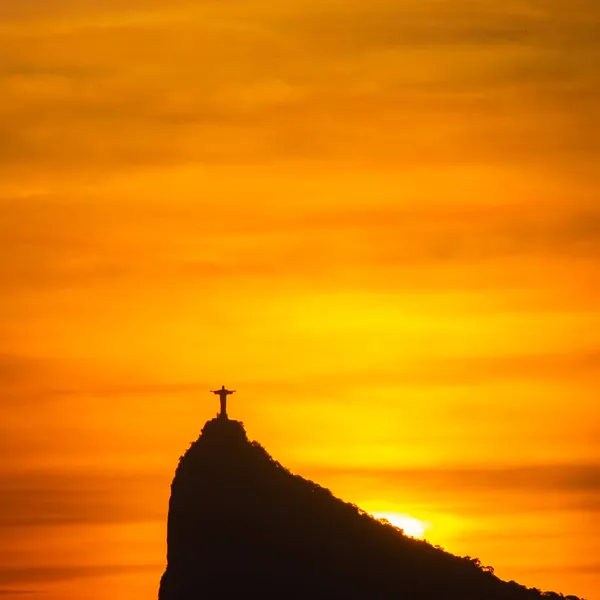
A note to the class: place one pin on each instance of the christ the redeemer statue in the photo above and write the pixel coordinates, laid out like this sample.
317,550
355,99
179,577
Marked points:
223,393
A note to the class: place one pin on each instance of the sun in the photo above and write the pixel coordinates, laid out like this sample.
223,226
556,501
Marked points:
411,526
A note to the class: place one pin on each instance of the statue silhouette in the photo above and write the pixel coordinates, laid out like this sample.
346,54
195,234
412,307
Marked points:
223,393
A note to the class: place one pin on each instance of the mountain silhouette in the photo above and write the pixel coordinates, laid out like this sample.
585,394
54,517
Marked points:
242,526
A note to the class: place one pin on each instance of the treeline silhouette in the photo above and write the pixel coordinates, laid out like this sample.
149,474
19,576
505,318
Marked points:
242,526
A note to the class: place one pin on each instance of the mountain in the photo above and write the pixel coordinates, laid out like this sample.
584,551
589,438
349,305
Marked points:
242,526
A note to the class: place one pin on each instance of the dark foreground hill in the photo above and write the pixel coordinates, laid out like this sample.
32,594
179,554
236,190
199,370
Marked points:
242,526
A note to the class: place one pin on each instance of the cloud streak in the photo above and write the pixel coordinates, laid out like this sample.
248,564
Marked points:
324,201
345,72
49,574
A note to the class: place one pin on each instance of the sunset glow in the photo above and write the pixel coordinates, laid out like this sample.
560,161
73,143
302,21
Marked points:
378,221
410,526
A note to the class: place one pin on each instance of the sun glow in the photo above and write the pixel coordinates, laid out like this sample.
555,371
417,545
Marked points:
411,526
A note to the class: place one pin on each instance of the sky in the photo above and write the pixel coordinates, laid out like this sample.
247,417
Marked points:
378,221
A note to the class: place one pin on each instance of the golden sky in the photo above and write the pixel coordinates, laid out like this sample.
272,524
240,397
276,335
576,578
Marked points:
378,221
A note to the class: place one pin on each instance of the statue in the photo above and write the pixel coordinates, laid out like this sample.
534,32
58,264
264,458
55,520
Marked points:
223,393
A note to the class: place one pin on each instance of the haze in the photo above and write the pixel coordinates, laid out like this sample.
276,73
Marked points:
378,221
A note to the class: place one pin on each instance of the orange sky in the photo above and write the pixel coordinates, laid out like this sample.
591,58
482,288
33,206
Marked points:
378,221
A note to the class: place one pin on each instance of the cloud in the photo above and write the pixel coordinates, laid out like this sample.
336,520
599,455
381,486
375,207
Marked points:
55,498
487,369
52,244
589,568
349,184
43,498
467,490
34,379
41,574
383,83
16,369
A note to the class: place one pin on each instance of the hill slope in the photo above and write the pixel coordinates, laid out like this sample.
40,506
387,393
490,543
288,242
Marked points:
241,525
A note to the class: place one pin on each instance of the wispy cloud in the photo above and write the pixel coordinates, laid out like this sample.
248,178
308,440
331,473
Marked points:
55,498
344,73
326,201
60,573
